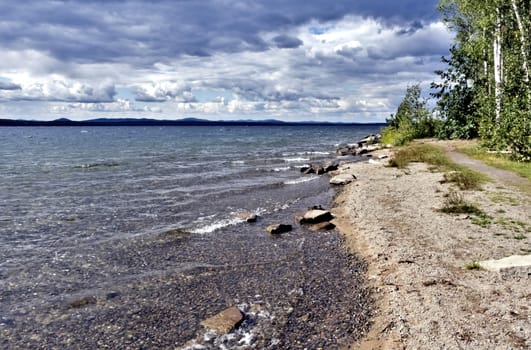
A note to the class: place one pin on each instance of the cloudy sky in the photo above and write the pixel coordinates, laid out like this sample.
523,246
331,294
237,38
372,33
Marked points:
337,60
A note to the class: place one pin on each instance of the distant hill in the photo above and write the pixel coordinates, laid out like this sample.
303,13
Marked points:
157,122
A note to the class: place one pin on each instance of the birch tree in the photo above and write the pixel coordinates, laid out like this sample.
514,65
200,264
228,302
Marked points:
487,83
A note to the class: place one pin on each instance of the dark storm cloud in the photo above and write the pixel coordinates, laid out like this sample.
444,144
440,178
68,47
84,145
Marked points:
411,29
287,42
112,31
9,86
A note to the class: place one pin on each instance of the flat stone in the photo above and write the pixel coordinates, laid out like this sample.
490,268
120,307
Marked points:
515,265
342,179
225,321
278,229
322,226
316,216
249,217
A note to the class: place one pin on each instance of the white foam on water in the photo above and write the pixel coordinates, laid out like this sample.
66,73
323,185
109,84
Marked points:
317,153
217,225
301,180
296,160
281,169
233,220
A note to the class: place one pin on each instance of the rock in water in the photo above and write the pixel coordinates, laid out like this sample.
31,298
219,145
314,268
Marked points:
249,217
328,167
225,321
342,179
305,168
278,229
316,216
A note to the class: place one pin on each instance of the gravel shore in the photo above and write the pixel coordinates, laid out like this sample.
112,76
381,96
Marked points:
416,255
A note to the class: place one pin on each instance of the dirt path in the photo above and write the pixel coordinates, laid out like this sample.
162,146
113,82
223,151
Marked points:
502,176
425,298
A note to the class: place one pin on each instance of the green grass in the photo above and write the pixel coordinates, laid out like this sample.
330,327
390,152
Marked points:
420,152
474,265
456,204
500,161
499,197
482,220
463,177
513,225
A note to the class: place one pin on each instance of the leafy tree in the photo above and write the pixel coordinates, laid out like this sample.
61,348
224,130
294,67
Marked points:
412,119
486,89
456,99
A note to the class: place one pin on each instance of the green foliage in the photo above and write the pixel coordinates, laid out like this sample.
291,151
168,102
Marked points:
474,265
456,101
394,136
412,119
472,99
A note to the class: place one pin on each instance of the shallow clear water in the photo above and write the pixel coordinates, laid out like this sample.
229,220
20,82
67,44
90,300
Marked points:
85,211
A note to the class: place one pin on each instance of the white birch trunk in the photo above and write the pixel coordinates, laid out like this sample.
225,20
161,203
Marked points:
497,53
525,64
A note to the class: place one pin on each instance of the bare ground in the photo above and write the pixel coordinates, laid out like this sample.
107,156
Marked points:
425,297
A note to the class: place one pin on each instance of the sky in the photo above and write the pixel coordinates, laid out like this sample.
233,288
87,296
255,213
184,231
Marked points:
320,60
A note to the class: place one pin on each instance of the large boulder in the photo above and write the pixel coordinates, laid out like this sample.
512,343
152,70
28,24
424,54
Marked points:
328,167
342,179
278,229
225,321
315,216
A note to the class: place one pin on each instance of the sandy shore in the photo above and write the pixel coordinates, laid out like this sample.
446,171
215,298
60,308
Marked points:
425,297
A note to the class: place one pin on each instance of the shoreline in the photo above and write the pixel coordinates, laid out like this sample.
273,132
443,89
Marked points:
423,295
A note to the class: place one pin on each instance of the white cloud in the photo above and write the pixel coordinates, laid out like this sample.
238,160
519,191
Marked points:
353,68
58,89
163,91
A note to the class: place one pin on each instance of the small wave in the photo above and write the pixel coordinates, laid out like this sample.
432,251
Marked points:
318,153
301,180
238,162
97,165
217,225
299,166
281,169
296,160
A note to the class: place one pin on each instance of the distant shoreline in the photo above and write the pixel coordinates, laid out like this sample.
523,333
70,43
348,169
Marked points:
178,122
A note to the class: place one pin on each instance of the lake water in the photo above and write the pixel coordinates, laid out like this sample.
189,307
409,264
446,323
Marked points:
129,237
